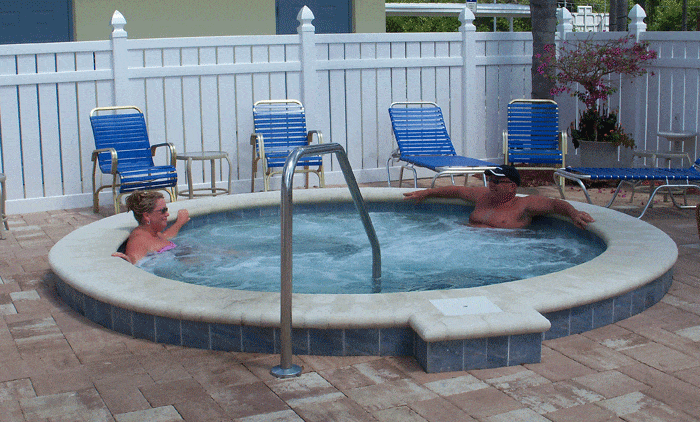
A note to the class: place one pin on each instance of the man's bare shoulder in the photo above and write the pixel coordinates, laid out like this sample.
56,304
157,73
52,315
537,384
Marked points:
539,204
473,192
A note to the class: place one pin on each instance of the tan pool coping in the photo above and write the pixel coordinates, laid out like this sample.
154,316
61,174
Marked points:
623,267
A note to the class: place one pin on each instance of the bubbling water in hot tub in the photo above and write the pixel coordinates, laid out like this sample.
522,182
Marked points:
424,247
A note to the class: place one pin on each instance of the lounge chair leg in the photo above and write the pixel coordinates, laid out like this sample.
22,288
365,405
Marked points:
252,176
615,194
651,198
321,178
388,172
95,193
573,179
557,182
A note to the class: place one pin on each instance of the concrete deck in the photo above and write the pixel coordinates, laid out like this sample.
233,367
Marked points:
56,365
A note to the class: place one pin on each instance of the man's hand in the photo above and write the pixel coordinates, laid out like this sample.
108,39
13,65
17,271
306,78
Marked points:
417,195
581,219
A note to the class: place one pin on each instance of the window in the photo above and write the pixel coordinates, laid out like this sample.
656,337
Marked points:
330,16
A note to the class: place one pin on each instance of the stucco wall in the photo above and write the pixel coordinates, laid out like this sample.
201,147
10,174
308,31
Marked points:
184,18
369,16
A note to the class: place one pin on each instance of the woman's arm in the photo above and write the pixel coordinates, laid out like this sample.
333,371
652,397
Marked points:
183,216
136,248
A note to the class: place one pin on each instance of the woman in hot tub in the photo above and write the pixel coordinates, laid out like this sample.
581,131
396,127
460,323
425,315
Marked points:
152,234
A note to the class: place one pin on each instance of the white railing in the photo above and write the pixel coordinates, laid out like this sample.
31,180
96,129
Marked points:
586,20
198,94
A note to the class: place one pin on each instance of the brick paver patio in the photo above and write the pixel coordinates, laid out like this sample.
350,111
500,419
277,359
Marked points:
57,366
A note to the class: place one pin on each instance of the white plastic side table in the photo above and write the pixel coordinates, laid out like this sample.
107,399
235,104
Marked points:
677,140
211,156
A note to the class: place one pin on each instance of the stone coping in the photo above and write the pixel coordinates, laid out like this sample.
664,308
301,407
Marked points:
83,260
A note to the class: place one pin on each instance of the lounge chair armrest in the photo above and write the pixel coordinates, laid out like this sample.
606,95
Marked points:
564,138
310,136
113,157
171,150
257,139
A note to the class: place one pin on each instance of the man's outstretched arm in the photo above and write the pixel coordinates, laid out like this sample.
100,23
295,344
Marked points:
539,205
461,192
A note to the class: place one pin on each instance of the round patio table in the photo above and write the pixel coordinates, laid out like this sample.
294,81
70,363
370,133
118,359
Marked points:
212,157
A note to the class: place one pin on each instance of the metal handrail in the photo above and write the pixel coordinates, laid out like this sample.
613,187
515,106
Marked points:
286,369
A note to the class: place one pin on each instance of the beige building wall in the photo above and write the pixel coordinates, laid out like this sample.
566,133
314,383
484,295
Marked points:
369,16
188,18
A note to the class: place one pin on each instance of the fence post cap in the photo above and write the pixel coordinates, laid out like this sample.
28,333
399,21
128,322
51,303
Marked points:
637,25
564,14
305,16
637,12
118,22
466,16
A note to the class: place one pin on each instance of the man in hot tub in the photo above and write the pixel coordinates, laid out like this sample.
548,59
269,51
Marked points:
498,206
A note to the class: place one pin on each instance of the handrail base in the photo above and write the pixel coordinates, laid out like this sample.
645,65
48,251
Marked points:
279,372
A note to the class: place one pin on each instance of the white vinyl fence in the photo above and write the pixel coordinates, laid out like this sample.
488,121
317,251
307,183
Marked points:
587,21
198,94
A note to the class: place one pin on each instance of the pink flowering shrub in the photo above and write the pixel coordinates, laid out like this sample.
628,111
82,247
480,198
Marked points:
584,70
589,64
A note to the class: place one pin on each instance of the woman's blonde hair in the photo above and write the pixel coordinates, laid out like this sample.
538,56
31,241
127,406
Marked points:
142,202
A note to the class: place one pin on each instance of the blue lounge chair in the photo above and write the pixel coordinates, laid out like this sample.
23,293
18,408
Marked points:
280,127
669,180
532,139
122,150
421,135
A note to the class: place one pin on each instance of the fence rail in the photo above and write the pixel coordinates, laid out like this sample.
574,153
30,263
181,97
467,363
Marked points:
198,94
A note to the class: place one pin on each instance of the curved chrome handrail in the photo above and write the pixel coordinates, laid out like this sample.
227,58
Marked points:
286,369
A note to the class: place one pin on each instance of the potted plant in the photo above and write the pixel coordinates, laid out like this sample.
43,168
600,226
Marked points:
583,70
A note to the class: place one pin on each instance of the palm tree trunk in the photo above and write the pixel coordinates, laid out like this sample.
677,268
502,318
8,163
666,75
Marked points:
622,10
612,15
543,14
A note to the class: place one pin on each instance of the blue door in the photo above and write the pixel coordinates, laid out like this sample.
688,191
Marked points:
27,21
330,16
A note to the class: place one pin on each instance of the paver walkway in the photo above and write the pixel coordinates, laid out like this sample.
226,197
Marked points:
57,366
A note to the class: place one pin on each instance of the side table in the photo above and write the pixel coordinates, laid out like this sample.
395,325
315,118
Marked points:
677,140
212,156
